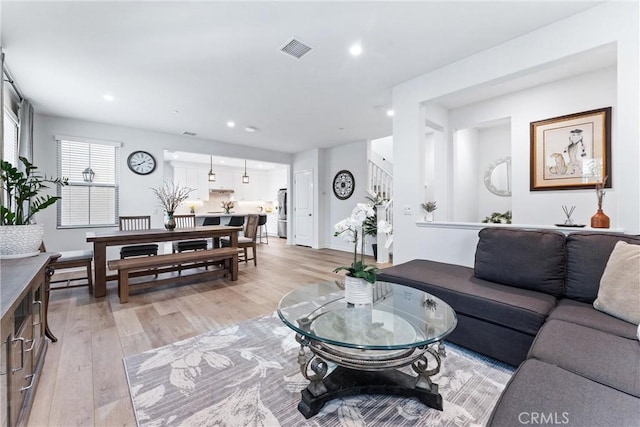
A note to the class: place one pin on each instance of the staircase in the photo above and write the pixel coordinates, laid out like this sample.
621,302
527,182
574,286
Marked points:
380,184
380,181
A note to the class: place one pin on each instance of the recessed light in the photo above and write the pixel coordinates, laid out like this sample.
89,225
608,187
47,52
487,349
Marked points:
250,129
355,49
221,161
107,97
390,113
231,124
175,155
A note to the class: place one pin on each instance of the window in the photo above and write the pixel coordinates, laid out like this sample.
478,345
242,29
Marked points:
10,138
91,198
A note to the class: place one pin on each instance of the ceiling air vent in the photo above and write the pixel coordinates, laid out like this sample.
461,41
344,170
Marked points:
187,133
295,48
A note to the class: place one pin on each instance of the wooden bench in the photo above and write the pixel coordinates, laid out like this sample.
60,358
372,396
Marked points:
133,267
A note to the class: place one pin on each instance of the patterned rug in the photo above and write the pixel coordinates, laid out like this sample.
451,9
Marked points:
248,375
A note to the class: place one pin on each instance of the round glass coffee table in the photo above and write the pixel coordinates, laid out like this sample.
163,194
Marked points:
404,326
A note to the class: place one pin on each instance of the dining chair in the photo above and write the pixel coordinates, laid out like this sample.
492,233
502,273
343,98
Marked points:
262,227
247,241
132,223
213,220
72,259
187,221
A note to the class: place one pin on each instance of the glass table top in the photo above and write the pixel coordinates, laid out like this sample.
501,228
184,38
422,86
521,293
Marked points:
401,317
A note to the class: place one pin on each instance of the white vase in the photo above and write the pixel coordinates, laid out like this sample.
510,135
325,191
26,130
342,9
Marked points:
428,217
357,291
20,241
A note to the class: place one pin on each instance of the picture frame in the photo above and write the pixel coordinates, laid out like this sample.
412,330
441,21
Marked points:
571,152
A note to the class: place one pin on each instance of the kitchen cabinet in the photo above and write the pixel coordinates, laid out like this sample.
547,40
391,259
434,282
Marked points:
255,190
23,300
195,178
272,224
224,180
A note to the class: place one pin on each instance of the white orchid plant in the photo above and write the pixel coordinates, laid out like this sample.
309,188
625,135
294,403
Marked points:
354,230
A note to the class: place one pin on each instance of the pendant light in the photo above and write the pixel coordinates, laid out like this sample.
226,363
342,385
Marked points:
212,176
88,174
245,177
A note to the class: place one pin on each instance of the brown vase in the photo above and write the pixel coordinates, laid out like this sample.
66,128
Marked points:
600,220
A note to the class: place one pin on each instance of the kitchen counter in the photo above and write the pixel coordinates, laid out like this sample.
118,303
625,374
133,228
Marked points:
272,218
224,217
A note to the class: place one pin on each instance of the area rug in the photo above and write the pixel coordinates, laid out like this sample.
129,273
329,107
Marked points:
247,375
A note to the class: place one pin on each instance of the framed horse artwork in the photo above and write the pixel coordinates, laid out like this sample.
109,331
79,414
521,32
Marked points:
571,152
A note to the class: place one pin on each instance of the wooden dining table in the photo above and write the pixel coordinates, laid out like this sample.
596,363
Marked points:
102,239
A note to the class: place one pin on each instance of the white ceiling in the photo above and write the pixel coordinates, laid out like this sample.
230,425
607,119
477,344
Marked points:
216,161
219,61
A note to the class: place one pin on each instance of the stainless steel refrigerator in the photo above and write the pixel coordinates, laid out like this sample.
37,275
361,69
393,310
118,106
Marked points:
282,213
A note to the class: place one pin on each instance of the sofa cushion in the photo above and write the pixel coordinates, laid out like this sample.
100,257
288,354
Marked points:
587,256
524,259
519,309
619,292
539,389
584,314
604,358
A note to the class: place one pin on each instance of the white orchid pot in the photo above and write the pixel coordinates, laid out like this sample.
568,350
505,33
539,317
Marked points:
357,291
20,241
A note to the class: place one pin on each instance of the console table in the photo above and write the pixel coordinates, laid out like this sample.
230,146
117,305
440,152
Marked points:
404,326
24,299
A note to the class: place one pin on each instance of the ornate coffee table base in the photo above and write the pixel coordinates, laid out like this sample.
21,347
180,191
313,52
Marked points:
344,382
366,374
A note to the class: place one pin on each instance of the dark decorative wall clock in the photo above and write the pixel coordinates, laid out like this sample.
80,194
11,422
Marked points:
343,184
141,162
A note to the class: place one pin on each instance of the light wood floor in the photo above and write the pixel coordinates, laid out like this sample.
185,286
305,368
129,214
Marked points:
84,383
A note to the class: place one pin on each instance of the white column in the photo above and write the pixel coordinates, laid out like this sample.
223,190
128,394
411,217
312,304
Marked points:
382,238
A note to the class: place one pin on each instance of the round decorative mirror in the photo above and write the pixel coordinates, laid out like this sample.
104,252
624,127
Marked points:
497,177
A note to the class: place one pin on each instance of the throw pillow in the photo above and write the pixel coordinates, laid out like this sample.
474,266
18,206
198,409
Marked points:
619,293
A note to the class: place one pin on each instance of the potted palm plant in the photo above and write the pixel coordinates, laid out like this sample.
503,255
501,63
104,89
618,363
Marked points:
371,224
19,237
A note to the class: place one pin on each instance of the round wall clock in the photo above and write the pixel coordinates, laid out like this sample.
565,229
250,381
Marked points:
343,184
141,162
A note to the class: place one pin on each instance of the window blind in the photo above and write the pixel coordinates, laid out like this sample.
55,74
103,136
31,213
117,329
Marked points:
87,203
10,139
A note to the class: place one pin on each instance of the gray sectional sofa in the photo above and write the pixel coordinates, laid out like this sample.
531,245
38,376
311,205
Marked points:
528,302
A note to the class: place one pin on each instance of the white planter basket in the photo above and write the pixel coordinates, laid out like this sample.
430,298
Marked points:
358,291
20,241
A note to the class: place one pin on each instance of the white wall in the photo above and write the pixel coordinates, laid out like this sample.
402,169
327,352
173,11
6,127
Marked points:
581,93
494,143
414,101
277,179
465,175
136,198
381,153
352,157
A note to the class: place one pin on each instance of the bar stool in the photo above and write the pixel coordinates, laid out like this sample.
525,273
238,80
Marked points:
213,220
262,227
236,221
